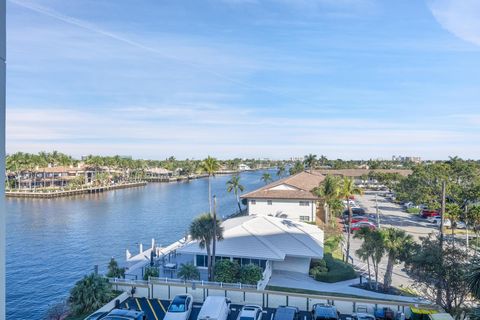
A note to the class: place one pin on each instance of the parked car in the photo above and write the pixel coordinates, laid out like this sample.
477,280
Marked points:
215,308
123,314
385,314
286,313
362,224
357,211
321,311
357,219
351,202
460,225
363,316
180,307
446,223
250,312
433,219
425,213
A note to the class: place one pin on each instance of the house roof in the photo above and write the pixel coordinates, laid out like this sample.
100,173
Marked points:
298,186
361,172
159,170
265,237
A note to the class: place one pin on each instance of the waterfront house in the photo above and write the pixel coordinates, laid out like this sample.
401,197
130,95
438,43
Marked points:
243,167
290,197
274,244
158,174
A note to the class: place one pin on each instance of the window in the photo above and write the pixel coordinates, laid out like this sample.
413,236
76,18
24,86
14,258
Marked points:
304,218
201,260
245,261
253,202
255,262
304,203
269,202
238,260
263,264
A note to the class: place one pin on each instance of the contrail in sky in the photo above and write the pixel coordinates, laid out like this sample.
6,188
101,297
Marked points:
90,27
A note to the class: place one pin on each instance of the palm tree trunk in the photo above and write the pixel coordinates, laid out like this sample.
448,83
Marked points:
209,195
327,213
214,243
348,229
209,262
387,280
453,235
239,206
369,274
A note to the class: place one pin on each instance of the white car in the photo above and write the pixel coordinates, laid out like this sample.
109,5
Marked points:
446,223
433,219
460,225
250,312
351,202
180,307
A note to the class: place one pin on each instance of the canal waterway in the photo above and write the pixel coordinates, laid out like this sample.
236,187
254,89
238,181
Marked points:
52,243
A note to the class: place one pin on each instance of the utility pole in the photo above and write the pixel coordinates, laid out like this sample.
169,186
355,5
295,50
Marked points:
214,240
376,208
442,215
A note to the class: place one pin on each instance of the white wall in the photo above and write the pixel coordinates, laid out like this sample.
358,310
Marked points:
293,264
291,208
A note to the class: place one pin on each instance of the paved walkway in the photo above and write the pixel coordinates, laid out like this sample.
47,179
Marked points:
298,280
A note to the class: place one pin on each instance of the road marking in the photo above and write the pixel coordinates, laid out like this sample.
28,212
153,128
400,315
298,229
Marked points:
138,304
153,310
197,307
126,304
271,317
161,305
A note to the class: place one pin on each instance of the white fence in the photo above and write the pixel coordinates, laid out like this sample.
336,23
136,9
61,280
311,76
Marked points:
166,290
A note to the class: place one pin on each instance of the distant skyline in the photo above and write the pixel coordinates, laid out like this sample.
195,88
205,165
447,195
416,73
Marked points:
351,79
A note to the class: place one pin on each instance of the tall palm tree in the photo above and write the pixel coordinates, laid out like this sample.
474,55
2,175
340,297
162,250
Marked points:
366,250
281,170
266,177
234,185
310,161
209,166
397,244
347,190
328,190
202,229
89,294
453,212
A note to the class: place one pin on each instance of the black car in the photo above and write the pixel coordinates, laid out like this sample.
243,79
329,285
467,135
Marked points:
355,212
286,313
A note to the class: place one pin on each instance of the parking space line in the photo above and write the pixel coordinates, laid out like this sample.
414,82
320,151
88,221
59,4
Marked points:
138,304
126,304
271,317
153,310
161,305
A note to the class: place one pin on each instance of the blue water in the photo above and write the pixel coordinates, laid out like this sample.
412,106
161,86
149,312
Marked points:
52,243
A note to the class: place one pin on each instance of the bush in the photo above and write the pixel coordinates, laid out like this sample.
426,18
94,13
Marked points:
226,271
90,294
114,271
250,274
336,270
331,243
413,210
188,272
150,272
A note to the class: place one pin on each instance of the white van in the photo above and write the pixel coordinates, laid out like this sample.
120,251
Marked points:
215,308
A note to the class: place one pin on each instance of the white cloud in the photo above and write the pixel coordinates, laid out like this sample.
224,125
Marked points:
460,17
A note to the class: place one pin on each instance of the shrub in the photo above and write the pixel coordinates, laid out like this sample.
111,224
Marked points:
413,210
150,272
188,272
227,271
90,294
250,274
318,266
336,271
331,243
114,271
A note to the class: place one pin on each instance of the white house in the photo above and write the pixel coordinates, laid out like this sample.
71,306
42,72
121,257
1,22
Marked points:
290,197
272,243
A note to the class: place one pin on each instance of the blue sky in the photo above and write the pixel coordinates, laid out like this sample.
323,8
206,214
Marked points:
353,79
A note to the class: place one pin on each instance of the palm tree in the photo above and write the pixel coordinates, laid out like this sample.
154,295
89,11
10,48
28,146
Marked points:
90,294
453,212
296,168
209,166
188,272
328,190
202,229
266,177
473,280
234,185
366,250
474,219
281,170
347,190
310,161
397,244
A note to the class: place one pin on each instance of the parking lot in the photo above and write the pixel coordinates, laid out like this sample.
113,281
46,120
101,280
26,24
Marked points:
155,309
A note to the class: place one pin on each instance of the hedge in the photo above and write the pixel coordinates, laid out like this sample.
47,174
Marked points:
337,270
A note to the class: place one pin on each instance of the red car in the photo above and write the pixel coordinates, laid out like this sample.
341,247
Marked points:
427,213
358,219
362,224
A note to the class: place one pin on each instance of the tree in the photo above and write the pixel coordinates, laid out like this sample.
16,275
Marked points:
372,247
473,219
234,185
429,265
250,274
310,161
266,177
453,212
89,294
397,245
328,190
296,168
227,271
473,280
188,272
150,272
201,229
114,271
281,170
209,166
347,190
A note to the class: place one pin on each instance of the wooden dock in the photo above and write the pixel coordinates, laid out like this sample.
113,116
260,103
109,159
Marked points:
71,192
